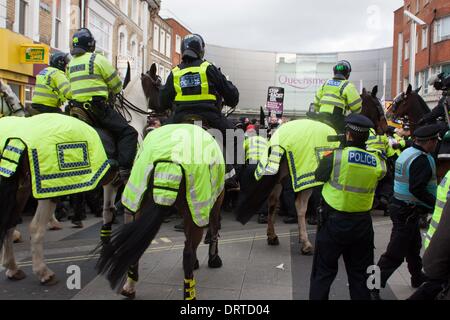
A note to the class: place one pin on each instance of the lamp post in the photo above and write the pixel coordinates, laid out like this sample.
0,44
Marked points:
412,42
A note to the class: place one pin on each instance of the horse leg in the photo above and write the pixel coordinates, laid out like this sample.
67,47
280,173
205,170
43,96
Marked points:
274,198
109,195
194,235
214,260
301,205
37,231
8,260
54,224
129,288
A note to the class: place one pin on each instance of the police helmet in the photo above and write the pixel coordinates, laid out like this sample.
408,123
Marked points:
83,41
343,68
193,46
59,60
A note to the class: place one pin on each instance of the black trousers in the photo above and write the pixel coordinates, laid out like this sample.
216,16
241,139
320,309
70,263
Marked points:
245,178
429,290
288,199
405,242
125,135
349,235
45,109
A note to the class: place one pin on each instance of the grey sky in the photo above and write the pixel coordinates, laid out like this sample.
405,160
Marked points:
289,25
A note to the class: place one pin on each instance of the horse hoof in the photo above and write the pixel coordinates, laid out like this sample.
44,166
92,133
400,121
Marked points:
273,241
215,262
196,265
19,275
129,295
307,252
50,281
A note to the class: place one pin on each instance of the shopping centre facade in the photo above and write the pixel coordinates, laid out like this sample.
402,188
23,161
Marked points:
300,74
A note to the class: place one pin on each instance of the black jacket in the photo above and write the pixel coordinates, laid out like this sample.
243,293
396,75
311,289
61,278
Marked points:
218,86
420,173
436,260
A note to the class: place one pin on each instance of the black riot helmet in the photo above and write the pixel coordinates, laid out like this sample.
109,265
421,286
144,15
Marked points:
343,68
83,41
59,60
193,46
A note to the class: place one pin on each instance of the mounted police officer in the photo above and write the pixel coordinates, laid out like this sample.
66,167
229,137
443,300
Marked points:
351,176
195,86
52,87
415,187
337,96
93,79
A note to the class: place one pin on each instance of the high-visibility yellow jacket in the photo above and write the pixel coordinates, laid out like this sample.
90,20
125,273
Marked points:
52,88
92,75
255,148
337,93
354,179
441,200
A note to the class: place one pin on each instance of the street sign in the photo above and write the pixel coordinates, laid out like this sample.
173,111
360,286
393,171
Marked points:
33,54
275,99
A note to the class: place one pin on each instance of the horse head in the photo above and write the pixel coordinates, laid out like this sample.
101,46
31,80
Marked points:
372,108
151,84
9,103
409,104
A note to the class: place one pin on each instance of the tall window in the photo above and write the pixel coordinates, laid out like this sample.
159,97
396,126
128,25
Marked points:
123,4
123,39
101,29
24,7
162,43
178,44
58,22
417,6
168,45
424,38
399,61
416,49
135,10
442,29
155,37
406,50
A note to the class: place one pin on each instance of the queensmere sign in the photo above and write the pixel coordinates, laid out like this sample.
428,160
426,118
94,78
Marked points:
300,83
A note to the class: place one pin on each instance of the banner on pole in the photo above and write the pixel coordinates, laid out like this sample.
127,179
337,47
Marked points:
275,99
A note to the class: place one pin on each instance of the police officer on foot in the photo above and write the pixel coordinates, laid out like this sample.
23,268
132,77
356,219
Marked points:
337,96
92,79
52,87
193,88
351,176
414,194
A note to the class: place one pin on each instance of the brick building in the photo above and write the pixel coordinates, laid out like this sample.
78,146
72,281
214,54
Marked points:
432,46
179,32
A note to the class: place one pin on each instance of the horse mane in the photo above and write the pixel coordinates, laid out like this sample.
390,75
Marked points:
423,104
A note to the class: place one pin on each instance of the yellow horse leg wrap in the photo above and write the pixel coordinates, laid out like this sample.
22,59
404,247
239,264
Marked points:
189,289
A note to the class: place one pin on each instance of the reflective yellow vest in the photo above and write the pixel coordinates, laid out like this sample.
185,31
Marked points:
92,75
192,79
401,141
304,142
379,143
52,88
255,148
66,155
173,152
441,200
337,93
353,180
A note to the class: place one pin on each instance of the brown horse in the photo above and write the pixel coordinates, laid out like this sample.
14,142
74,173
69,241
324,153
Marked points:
129,243
412,105
270,186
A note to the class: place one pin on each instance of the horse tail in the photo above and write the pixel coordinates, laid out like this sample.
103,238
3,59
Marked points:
8,191
129,242
254,196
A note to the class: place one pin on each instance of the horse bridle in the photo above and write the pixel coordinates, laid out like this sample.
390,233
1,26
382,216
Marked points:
12,111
